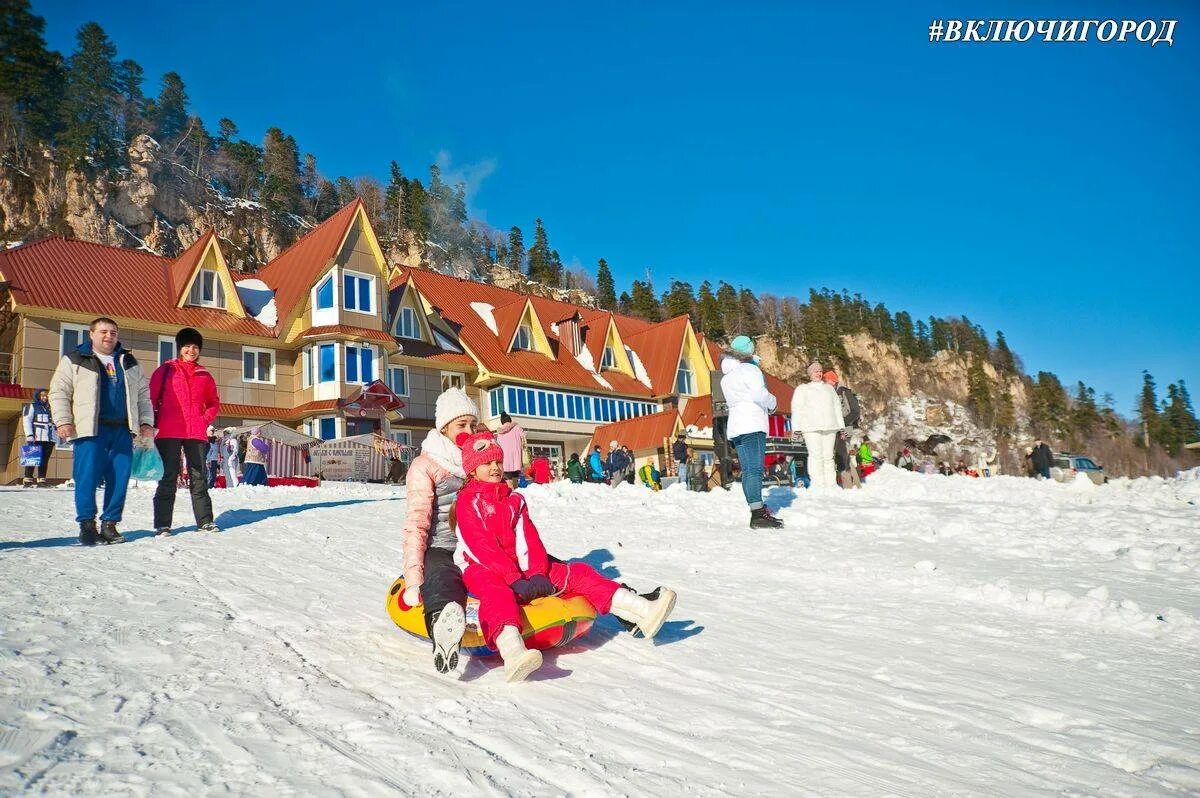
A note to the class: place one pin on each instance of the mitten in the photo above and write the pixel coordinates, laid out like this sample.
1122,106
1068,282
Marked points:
534,587
411,596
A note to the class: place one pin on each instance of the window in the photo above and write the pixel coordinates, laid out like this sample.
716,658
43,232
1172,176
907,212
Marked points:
496,401
307,369
685,382
325,294
446,343
327,363
70,337
207,290
407,326
166,349
450,380
524,338
398,380
358,292
258,365
327,428
360,364
607,359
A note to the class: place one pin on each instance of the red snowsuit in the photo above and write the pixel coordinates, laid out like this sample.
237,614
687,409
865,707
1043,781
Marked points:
498,544
539,471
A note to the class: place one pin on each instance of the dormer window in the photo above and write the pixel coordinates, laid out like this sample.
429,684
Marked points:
608,360
408,327
685,380
207,290
524,338
325,294
358,292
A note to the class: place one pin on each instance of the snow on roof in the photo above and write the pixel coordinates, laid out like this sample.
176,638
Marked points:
639,370
485,312
584,356
259,301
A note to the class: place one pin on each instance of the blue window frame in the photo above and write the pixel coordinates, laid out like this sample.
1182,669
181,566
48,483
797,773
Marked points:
356,293
326,363
522,408
541,403
325,294
558,403
328,429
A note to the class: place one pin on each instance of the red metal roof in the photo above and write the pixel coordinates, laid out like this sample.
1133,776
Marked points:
183,266
453,297
276,413
348,330
101,280
293,272
10,390
639,434
698,412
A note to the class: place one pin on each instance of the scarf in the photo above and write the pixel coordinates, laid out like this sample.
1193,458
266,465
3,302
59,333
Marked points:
443,452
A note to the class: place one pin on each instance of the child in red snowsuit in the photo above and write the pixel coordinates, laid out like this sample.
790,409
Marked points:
504,563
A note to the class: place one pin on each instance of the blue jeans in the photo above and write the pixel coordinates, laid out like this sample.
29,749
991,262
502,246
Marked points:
751,449
107,455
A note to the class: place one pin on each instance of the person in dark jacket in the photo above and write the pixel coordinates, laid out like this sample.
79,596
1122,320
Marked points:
617,465
575,469
1042,458
679,453
39,430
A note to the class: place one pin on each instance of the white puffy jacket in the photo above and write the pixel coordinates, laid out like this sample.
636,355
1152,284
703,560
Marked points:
747,396
816,407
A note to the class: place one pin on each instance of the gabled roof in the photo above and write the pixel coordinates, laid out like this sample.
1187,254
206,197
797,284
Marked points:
660,361
294,271
698,412
453,297
182,268
639,434
100,280
350,330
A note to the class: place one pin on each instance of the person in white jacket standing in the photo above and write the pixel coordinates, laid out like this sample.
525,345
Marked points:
817,414
749,403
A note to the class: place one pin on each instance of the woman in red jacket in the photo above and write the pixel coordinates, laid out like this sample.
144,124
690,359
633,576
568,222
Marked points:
185,401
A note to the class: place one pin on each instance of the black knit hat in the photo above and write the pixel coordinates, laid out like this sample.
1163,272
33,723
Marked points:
188,335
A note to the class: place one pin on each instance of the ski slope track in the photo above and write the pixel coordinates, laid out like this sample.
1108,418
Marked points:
926,635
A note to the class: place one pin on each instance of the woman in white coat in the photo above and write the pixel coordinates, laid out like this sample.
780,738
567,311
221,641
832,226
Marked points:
817,414
229,458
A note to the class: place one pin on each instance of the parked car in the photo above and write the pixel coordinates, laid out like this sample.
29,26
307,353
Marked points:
1067,465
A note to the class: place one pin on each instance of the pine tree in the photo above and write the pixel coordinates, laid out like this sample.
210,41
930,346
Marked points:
281,173
730,308
88,122
924,343
1148,411
606,291
540,268
906,336
458,204
1085,415
347,192
31,78
1002,356
131,101
751,316
680,301
170,109
711,323
393,202
1049,412
625,304
1178,421
226,130
325,204
979,392
642,302
516,249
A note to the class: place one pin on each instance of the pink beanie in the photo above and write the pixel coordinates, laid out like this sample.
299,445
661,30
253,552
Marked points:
478,449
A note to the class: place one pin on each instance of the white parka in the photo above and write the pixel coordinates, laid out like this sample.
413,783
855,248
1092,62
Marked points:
816,407
746,394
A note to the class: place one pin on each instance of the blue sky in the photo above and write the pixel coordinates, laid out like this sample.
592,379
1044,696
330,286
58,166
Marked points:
1050,190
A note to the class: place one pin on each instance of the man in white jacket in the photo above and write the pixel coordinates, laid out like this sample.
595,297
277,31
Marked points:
749,403
817,414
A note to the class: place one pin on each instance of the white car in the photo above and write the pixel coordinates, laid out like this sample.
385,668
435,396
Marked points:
1066,466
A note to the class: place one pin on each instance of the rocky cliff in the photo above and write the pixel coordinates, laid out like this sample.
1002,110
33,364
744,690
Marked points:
153,203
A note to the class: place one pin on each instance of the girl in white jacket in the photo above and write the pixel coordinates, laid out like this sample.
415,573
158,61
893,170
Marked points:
817,414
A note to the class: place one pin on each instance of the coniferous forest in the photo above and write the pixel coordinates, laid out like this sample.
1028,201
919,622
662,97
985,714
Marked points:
86,107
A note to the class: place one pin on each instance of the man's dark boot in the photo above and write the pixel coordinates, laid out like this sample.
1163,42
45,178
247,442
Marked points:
88,534
109,533
762,519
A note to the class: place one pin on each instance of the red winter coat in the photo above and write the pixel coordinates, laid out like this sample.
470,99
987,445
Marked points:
184,398
539,471
495,531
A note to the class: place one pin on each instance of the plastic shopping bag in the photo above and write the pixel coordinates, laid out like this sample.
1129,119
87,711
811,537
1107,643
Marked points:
147,464
31,455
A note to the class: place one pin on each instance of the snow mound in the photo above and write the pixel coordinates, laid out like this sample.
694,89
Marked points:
486,313
259,301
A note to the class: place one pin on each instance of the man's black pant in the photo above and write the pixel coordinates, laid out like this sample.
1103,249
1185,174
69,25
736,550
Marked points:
164,497
443,584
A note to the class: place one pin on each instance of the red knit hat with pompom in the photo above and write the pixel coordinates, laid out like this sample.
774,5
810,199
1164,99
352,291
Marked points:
478,449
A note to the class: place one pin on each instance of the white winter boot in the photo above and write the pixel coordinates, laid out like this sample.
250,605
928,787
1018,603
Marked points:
648,615
519,661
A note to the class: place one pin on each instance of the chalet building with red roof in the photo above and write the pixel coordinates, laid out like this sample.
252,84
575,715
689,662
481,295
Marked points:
329,339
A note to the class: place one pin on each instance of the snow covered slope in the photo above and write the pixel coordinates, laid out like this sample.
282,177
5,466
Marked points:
923,636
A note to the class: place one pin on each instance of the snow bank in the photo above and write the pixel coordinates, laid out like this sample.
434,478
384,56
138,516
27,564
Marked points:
486,313
259,301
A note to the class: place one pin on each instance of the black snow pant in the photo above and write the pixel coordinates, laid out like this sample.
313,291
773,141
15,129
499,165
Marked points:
164,497
841,455
722,449
443,584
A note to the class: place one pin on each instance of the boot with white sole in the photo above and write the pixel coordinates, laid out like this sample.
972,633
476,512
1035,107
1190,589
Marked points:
648,615
446,634
519,661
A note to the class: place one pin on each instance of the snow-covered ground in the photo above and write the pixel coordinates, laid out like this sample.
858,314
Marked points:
924,636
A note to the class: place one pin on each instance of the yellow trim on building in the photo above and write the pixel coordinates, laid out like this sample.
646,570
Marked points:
212,259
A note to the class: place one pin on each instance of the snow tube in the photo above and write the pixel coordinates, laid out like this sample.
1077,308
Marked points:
545,623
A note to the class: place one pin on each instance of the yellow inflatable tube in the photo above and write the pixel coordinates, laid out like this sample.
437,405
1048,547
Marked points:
545,622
